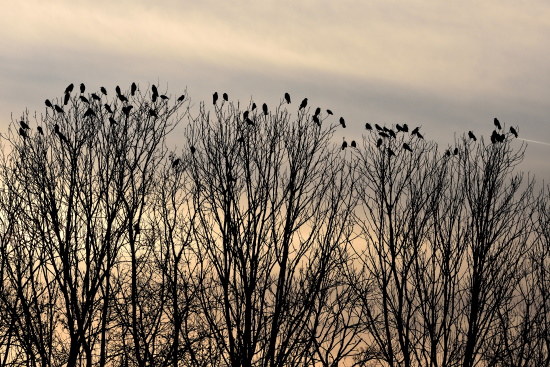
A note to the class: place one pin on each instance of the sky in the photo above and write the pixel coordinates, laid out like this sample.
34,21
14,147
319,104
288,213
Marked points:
449,67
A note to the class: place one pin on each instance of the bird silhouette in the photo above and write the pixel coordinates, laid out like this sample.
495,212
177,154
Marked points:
154,97
176,162
89,112
353,144
103,90
513,131
245,114
22,133
415,130
164,97
494,137
392,134
407,147
317,111
48,103
250,122
253,106
344,144
108,108
390,152
154,89
66,99
287,98
472,136
123,98
383,134
59,109
497,123
329,112
69,88
181,98
264,108
377,127
126,110
133,89
112,120
193,150
455,151
368,126
405,128
153,113
447,153
501,137
342,122
117,90
84,99
316,120
303,104
398,127
24,125
82,87
379,142
225,97
420,136
39,128
95,97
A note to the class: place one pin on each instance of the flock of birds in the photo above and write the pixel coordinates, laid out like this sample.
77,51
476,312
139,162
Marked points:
385,133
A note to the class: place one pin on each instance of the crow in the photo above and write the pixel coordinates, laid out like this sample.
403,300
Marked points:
250,122
494,137
181,98
398,127
193,150
123,98
164,97
253,106
112,120
303,104
48,103
455,152
66,98
84,99
420,136
82,87
501,137
154,97
39,128
392,134
406,128
447,153
353,144
264,108
344,144
95,97
407,147
316,120
415,130
383,134
22,133
390,152
126,110
497,123
330,112
69,89
472,136
342,122
153,113
317,111
379,142
155,90
117,90
103,90
108,108
377,127
59,109
225,97
24,125
287,98
245,114
368,126
133,89
513,131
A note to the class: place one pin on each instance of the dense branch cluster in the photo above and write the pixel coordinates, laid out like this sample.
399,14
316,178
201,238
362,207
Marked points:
262,242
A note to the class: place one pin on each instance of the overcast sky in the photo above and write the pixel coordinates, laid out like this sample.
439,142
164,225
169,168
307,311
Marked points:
448,66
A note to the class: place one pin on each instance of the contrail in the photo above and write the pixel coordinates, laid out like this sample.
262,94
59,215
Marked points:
534,141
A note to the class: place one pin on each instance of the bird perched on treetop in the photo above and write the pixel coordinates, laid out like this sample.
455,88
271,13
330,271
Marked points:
368,126
390,152
342,122
353,144
415,130
317,111
472,136
181,98
253,106
225,97
103,90
344,144
95,97
316,120
287,98
69,89
497,123
303,104
405,128
330,112
383,134
39,128
407,147
117,90
82,87
24,125
59,109
48,103
22,133
377,127
133,89
66,98
513,131
84,99
89,112
108,108
379,142
264,108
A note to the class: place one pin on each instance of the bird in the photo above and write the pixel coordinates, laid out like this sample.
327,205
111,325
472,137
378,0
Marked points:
66,98
377,127
494,137
215,97
48,103
383,134
287,98
69,88
405,128
407,147
154,97
153,113
112,120
123,98
316,120
84,99
392,134
447,153
330,112
472,136
455,152
390,152
245,114
368,126
225,97
379,142
82,87
398,127
317,111
420,136
176,162
193,150
89,112
264,108
253,106
108,108
133,89
353,144
103,90
250,122
501,137
181,98
497,123
415,130
39,128
164,97
59,109
95,97
24,125
126,110
155,90
344,144
22,132
303,104
342,122
117,90
513,131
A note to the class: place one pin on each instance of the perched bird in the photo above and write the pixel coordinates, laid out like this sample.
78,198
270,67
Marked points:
154,97
287,98
513,131
455,152
383,134
407,147
39,128
344,144
24,125
103,90
82,87
317,111
225,97
398,127
385,129
176,162
117,90
59,109
316,120
497,123
181,98
494,136
377,127
245,114
501,137
48,103
342,122
330,112
420,136
415,130
392,134
368,126
472,136
155,90
447,153
379,142
153,113
133,89
126,110
89,112
264,108
353,144
405,128
193,150
95,97
123,98
108,108
84,99
112,120
303,104
390,152
250,122
66,98
69,89
253,106
164,97
22,133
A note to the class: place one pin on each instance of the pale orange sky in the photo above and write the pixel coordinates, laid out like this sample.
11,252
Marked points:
448,66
